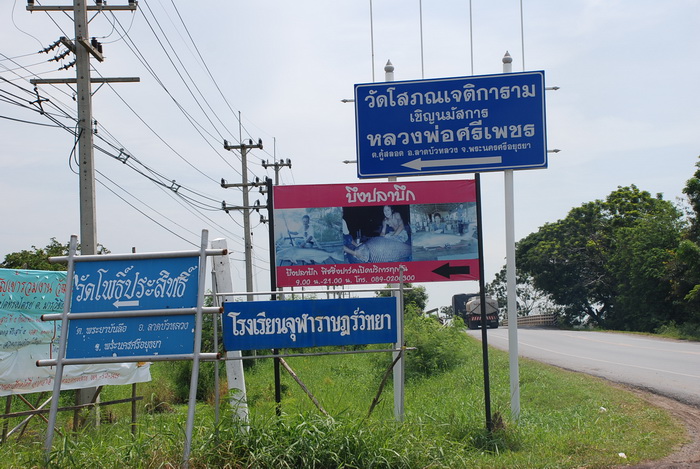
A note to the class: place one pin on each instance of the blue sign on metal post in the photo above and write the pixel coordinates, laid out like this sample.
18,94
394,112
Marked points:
255,325
451,125
131,285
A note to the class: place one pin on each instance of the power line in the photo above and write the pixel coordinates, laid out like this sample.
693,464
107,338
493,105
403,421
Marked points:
28,122
184,69
197,201
147,172
137,53
204,62
143,213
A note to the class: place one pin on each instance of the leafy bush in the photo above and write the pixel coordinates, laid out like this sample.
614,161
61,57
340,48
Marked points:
687,331
205,385
438,347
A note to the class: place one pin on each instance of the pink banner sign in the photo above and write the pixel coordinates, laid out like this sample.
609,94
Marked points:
350,234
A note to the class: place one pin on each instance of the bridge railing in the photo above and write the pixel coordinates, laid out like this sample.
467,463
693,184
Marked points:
535,320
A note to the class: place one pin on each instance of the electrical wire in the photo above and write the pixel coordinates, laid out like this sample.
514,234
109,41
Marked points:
12,17
177,70
216,85
137,53
27,122
204,62
144,214
187,200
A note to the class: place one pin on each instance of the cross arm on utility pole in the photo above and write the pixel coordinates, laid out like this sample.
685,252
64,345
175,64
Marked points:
69,81
227,208
99,6
277,164
226,185
67,43
243,146
93,47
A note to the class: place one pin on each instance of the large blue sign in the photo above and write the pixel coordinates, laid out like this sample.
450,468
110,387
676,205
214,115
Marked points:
451,125
255,325
130,285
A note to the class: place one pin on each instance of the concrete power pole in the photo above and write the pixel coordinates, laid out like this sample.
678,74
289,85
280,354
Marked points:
277,165
83,48
243,148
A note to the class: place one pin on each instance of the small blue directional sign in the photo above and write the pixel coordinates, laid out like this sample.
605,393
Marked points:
255,325
451,125
130,285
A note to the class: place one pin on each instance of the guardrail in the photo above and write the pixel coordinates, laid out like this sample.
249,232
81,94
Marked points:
535,320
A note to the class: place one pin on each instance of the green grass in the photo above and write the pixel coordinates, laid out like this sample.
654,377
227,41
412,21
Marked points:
567,420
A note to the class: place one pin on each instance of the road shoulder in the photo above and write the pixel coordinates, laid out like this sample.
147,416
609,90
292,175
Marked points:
686,456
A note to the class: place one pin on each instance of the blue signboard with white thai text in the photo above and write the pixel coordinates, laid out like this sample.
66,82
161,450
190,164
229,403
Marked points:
131,285
451,125
255,325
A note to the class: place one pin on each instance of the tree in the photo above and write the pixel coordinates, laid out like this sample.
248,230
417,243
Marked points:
640,263
567,260
598,259
38,258
529,299
413,295
684,269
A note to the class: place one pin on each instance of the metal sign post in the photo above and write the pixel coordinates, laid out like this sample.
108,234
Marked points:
484,328
194,379
511,280
61,349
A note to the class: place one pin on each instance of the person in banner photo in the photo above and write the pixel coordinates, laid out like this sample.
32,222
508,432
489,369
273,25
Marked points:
349,245
306,237
309,236
383,234
437,226
393,226
459,216
444,231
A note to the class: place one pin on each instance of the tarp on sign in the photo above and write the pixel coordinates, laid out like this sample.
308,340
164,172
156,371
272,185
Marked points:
24,338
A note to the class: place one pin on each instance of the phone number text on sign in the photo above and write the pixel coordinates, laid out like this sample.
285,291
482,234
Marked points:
320,275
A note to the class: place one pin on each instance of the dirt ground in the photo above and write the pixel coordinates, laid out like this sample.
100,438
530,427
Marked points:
686,456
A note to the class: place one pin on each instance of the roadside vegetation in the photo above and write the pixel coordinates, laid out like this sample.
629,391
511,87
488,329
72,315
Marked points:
629,262
567,420
682,332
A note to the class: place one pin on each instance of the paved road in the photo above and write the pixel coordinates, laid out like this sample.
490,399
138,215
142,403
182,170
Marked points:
667,367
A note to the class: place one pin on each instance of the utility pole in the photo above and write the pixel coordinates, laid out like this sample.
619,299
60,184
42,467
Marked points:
247,241
277,166
83,48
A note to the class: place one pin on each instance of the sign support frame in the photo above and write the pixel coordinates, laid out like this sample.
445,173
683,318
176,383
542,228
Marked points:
66,316
62,343
482,297
194,378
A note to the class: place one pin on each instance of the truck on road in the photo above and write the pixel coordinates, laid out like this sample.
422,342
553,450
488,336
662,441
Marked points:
468,307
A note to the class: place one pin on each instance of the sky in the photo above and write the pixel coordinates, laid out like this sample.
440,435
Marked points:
627,110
